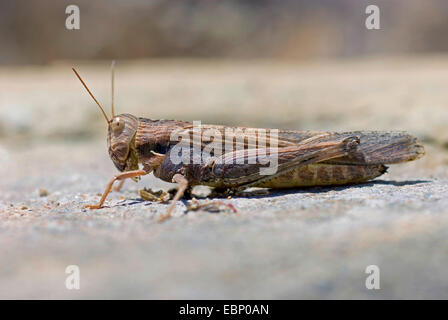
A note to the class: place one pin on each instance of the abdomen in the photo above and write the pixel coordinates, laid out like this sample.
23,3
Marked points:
324,175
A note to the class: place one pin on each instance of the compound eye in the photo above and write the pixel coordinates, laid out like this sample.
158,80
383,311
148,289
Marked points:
117,125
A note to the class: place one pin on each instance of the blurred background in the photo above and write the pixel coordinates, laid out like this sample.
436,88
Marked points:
33,32
303,64
307,64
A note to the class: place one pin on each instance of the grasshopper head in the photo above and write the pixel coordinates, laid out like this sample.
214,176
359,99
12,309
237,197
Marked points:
121,132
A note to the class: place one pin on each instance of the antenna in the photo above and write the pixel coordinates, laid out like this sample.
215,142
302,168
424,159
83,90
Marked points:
79,77
112,69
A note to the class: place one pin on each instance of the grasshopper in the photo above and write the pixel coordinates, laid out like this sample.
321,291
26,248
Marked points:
304,158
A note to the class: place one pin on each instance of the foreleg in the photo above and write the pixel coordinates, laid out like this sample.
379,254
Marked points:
118,177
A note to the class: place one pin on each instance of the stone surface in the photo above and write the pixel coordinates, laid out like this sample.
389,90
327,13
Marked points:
302,243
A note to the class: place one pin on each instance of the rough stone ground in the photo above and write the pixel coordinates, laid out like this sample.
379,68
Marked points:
303,243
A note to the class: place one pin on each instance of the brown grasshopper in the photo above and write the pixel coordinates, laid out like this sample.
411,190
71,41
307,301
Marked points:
303,158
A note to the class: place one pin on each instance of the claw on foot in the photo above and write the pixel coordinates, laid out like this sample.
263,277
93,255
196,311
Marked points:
92,206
